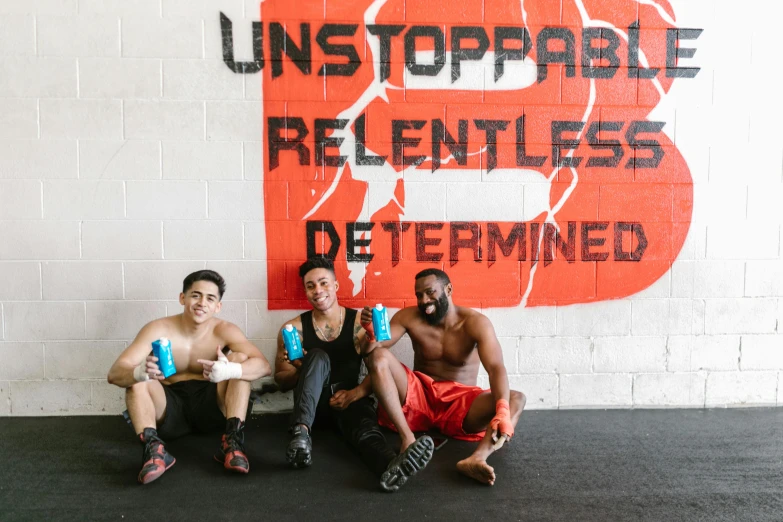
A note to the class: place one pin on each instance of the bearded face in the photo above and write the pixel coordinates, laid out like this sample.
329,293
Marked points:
435,311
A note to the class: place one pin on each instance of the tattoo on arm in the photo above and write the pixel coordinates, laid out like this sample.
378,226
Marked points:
279,363
356,343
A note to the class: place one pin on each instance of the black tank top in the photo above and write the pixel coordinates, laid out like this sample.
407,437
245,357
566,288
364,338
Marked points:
342,354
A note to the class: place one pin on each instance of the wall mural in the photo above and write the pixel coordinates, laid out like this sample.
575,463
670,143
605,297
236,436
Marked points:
508,143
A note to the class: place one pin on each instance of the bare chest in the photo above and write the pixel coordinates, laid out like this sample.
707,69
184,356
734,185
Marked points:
449,347
187,352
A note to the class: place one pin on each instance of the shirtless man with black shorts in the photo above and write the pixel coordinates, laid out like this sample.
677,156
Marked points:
209,389
449,343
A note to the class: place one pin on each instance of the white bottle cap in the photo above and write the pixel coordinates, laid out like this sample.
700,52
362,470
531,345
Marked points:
164,340
289,328
379,306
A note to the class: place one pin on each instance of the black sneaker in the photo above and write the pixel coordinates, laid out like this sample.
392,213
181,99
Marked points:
156,459
232,447
300,449
408,463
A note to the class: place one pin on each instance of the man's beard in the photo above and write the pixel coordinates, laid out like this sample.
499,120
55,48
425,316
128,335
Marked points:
441,308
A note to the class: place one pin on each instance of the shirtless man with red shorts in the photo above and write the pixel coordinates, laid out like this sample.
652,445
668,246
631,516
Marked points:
449,343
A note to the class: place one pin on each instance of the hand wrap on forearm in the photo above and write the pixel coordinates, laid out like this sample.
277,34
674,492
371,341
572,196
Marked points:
502,419
370,333
224,370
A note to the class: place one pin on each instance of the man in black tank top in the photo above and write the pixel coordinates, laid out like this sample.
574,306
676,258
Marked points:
326,380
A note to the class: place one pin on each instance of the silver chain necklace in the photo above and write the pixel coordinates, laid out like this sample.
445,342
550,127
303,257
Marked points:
323,335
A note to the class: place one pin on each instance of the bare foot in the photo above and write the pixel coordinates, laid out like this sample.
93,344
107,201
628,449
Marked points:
404,443
477,469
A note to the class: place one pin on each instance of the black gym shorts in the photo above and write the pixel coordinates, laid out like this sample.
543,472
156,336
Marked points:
191,406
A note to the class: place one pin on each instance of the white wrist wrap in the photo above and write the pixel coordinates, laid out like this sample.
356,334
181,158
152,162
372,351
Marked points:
224,370
140,372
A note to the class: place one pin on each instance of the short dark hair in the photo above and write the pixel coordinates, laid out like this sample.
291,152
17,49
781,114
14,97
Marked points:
316,262
440,275
205,275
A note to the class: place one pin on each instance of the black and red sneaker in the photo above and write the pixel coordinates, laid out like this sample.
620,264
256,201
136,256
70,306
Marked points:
232,447
156,459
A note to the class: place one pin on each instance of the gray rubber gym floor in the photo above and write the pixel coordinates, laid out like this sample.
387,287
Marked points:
663,465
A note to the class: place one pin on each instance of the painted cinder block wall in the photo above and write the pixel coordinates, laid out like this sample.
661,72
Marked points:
132,154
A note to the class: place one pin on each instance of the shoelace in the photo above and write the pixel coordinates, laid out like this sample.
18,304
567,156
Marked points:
151,448
234,442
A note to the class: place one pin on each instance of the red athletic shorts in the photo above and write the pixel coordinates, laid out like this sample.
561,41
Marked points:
435,404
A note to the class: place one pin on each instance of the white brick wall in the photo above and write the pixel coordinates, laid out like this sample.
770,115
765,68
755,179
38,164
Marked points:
629,354
20,281
203,239
130,155
708,278
761,352
234,120
234,311
19,119
149,37
80,360
741,388
20,199
122,240
51,397
22,361
31,77
163,120
740,316
30,240
200,80
89,280
119,159
244,279
669,390
704,352
86,36
218,160
166,199
596,391
608,318
120,319
5,398
541,391
83,199
763,278
43,321
17,37
675,316
119,78
153,280
555,355
38,159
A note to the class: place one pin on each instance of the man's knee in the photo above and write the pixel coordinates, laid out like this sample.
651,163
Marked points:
237,357
367,433
317,357
517,401
378,360
317,354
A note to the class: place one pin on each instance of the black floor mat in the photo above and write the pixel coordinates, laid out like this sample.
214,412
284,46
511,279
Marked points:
562,465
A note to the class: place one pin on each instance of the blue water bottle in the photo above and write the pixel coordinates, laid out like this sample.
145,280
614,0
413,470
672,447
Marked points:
380,323
293,345
162,350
